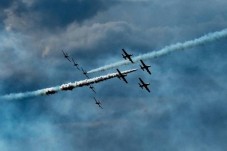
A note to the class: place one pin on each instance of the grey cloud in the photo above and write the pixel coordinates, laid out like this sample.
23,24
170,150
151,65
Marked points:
35,15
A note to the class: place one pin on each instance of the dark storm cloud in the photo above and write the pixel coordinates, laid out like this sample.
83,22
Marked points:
51,14
64,12
4,3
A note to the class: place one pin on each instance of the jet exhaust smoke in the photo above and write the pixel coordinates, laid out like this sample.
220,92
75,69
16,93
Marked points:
63,87
168,49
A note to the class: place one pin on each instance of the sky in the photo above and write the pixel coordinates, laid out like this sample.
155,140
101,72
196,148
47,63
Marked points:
186,109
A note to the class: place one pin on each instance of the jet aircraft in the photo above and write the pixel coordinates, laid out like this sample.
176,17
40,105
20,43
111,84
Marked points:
92,88
122,76
50,92
144,66
75,64
70,87
84,72
66,55
144,85
98,103
127,56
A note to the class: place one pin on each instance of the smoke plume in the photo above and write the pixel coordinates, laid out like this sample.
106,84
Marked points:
63,87
168,49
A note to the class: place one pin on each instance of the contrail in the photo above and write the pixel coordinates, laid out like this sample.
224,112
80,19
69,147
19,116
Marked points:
63,87
168,49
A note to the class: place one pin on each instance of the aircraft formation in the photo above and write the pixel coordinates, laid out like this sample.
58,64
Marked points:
84,72
143,66
120,75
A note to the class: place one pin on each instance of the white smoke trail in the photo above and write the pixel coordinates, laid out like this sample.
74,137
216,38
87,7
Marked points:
63,87
179,46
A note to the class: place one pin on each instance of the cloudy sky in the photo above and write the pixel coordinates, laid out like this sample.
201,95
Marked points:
185,111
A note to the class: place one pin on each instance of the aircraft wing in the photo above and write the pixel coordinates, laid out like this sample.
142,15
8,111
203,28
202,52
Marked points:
142,63
125,52
86,75
124,79
148,70
130,59
69,59
93,90
63,53
141,81
146,87
84,71
100,106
